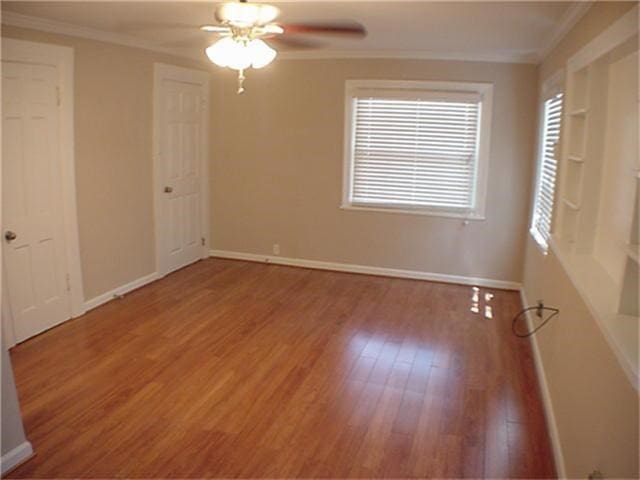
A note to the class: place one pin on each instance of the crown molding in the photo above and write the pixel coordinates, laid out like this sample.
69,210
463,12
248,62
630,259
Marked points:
572,16
62,28
407,55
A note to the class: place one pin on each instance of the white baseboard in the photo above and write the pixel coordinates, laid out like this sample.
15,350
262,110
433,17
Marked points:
368,270
126,288
550,416
15,457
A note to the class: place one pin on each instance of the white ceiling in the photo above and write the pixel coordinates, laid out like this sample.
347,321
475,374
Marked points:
501,31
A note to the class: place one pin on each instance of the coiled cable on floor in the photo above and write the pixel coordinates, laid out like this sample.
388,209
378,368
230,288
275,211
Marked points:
540,308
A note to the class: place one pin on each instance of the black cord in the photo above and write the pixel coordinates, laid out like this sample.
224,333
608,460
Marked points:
544,322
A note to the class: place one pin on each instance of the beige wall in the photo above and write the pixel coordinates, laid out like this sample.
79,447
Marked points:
277,167
11,429
113,148
595,405
277,171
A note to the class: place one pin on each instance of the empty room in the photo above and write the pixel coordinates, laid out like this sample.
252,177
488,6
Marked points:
320,239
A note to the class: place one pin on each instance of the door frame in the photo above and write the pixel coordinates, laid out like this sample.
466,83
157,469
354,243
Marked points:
162,71
63,59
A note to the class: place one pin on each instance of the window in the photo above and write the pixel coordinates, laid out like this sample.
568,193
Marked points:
547,170
418,147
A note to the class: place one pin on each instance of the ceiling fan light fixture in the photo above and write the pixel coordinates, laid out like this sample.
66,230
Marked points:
261,53
229,52
273,28
220,29
243,26
238,54
247,14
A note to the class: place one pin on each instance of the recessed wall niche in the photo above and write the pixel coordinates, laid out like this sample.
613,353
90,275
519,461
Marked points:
596,234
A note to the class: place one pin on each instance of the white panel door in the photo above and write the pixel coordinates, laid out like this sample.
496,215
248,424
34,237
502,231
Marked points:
181,123
32,206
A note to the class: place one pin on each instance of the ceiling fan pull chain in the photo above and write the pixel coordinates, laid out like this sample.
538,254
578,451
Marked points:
241,79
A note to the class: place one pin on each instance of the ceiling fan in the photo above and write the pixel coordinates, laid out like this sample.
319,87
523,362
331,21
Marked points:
244,27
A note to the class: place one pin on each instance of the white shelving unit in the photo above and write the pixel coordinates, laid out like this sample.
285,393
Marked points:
597,231
575,131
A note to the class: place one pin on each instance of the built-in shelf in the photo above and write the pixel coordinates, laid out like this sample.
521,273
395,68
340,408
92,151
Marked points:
628,304
573,183
596,235
580,90
579,112
577,136
570,204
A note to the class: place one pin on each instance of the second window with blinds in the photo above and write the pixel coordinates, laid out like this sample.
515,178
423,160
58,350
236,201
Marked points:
547,171
547,164
417,147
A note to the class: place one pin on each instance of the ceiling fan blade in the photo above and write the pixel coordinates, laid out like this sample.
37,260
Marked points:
290,43
214,28
341,28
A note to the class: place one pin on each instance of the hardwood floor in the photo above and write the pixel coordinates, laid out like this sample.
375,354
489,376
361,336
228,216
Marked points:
237,369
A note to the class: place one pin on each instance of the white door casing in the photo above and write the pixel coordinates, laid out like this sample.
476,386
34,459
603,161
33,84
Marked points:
181,106
41,265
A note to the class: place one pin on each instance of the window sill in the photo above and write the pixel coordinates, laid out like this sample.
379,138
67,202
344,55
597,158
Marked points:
410,211
541,244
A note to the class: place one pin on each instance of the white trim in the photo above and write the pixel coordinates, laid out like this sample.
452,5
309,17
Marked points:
408,55
63,59
62,28
572,16
15,457
8,329
620,31
67,148
160,72
430,213
123,289
550,416
368,270
485,92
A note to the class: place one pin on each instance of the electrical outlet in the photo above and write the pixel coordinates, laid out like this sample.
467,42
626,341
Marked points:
276,249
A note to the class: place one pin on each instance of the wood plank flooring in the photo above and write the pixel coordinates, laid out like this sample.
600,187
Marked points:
238,369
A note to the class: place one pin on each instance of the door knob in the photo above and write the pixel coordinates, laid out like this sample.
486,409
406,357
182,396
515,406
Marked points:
168,189
9,235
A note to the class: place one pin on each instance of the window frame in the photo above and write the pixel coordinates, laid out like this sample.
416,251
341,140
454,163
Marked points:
550,88
430,89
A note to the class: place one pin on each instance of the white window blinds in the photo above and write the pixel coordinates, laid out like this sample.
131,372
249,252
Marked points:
547,170
415,153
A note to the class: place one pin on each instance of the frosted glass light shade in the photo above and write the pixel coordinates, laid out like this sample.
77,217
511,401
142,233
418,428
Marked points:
237,55
227,52
261,53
